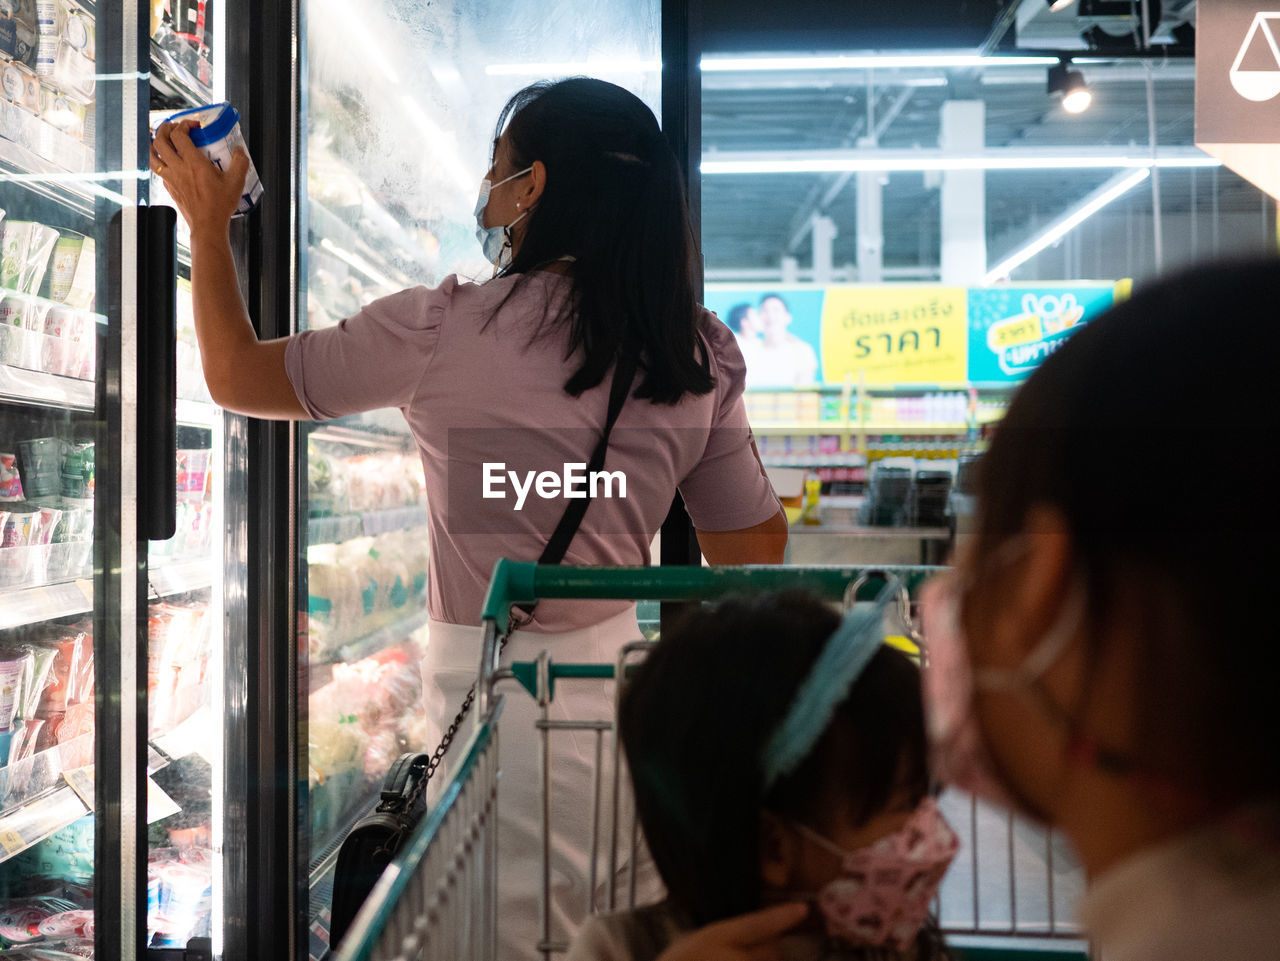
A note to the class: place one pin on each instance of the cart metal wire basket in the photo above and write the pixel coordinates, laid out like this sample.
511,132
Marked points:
1008,897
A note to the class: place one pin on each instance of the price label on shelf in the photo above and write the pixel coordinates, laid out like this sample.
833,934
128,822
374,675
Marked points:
80,780
11,841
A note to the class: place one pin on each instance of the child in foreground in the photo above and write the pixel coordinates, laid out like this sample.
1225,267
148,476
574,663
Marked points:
778,755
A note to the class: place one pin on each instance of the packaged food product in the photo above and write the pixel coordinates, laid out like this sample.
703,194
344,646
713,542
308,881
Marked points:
217,137
10,479
20,85
40,460
38,679
13,666
77,472
67,924
70,672
25,248
25,739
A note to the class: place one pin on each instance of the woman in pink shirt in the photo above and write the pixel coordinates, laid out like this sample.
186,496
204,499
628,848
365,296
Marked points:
582,214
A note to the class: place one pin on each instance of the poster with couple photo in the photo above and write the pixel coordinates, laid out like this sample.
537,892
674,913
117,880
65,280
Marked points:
777,328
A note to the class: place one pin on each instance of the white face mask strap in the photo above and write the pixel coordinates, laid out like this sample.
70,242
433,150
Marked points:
509,179
1044,655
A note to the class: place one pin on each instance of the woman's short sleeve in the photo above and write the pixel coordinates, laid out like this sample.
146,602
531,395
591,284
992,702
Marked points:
727,490
376,358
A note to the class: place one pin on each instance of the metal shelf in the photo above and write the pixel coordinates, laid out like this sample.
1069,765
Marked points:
321,670
32,605
196,413
36,388
180,576
338,528
33,822
77,192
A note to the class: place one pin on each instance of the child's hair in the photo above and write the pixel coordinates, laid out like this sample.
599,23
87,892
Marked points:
695,717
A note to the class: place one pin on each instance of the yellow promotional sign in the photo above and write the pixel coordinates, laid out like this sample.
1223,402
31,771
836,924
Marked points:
895,335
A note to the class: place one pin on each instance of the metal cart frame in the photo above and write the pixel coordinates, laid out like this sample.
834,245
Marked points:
438,899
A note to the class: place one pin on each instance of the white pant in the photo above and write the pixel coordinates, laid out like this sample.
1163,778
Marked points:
449,668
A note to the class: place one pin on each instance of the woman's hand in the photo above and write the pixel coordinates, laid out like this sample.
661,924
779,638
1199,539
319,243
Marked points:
751,937
204,195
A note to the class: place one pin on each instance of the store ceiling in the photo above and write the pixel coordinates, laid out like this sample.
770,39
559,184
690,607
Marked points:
751,221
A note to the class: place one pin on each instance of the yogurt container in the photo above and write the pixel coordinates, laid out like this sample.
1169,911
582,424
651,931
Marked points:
217,138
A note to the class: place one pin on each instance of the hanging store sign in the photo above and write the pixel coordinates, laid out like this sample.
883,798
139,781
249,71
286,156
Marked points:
894,335
1238,87
1013,329
887,335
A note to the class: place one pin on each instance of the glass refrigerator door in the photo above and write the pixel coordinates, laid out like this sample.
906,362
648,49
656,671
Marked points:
63,114
401,103
187,626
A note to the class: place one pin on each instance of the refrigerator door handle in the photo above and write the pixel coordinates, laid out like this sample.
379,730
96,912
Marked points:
157,372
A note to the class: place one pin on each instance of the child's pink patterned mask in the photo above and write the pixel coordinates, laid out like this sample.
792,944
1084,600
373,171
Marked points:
881,897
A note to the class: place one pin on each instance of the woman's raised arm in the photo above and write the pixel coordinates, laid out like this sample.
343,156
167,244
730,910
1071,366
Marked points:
244,375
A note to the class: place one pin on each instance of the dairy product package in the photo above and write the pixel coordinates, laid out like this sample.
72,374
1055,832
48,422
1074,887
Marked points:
25,247
217,138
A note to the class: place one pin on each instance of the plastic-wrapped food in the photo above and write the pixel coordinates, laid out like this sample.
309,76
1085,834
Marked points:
70,678
20,920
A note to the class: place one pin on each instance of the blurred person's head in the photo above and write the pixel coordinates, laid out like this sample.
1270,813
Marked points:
583,177
696,719
743,320
775,316
1114,605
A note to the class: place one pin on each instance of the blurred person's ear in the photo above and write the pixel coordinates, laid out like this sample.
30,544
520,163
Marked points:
778,851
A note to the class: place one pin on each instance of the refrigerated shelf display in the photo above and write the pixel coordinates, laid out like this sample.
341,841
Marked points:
47,80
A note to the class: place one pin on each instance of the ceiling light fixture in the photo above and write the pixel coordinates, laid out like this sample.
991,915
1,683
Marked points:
866,62
1057,6
1112,190
922,161
1070,85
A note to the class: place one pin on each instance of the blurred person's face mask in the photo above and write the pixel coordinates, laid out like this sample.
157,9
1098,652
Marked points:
882,894
959,754
495,241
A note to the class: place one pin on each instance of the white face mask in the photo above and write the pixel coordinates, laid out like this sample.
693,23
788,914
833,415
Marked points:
495,241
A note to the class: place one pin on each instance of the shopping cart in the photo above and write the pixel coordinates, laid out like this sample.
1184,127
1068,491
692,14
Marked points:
439,897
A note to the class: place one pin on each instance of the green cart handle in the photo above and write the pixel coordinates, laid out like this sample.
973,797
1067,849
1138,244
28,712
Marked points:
523,582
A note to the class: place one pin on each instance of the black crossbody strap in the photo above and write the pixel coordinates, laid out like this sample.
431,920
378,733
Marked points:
624,373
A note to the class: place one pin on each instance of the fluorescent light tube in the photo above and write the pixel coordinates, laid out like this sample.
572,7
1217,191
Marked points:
940,61
1112,190
924,162
566,68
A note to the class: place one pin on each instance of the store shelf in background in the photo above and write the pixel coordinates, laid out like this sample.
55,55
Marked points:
32,823
375,434
32,605
32,387
836,427
180,575
76,192
358,649
345,527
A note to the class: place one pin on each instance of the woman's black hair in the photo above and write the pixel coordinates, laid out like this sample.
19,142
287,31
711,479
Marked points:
1148,432
694,720
614,201
733,319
